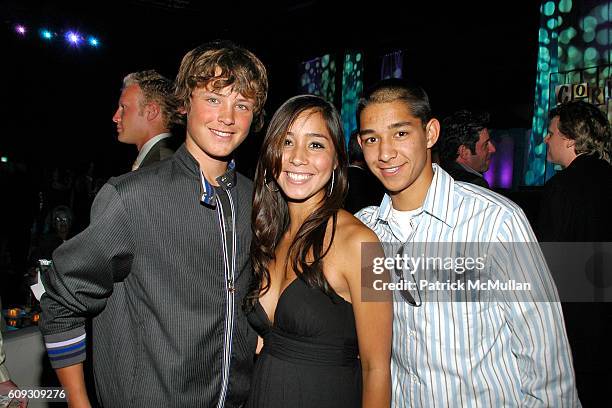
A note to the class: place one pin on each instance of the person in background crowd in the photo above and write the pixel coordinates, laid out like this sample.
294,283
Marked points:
576,206
363,188
466,147
577,201
147,110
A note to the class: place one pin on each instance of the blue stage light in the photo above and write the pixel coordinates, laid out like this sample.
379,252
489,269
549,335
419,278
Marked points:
73,37
93,41
46,34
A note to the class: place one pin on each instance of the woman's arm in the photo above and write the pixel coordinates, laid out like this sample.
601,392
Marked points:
373,315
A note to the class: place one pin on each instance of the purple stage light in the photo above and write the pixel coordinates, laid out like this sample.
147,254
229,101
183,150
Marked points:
20,29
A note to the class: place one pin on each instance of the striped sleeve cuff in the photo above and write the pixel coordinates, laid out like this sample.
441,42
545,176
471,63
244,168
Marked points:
66,349
4,374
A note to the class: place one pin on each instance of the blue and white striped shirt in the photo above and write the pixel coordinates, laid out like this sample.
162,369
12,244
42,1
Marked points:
493,353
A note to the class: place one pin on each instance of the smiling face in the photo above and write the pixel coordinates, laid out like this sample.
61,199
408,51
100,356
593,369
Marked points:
217,122
308,158
396,149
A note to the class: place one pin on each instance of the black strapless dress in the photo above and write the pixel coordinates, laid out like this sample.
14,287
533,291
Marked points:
310,354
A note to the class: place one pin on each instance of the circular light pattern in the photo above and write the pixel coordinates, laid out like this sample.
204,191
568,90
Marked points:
542,169
549,8
529,179
93,41
566,35
589,23
591,54
574,54
544,54
588,36
603,36
73,37
565,6
46,34
604,12
21,30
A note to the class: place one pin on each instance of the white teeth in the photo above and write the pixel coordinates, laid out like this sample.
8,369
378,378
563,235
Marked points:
220,133
390,170
298,176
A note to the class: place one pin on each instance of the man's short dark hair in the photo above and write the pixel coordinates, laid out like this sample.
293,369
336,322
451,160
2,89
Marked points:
587,125
461,128
395,89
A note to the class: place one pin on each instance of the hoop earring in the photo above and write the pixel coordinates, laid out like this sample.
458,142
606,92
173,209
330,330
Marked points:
329,193
267,185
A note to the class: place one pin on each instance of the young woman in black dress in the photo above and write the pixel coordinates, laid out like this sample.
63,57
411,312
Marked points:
323,346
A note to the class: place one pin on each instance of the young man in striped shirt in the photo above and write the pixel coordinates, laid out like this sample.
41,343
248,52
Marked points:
456,348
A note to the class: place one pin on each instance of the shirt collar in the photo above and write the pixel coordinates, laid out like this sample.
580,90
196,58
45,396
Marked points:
146,148
470,170
226,181
438,202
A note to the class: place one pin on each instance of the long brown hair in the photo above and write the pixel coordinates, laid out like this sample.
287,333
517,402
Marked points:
270,217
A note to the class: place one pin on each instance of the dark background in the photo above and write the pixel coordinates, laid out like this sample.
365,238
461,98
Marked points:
58,100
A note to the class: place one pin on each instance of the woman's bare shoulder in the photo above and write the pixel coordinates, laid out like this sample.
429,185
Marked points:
350,231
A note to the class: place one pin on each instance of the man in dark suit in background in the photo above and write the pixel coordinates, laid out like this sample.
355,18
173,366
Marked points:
577,207
577,203
146,112
364,188
466,147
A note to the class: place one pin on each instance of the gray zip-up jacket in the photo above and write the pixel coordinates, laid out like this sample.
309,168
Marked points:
164,274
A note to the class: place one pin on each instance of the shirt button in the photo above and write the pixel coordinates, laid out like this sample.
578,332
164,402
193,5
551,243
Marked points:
412,333
414,378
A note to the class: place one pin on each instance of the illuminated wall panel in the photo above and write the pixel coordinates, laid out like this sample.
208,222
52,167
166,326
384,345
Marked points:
574,47
352,89
392,65
319,77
